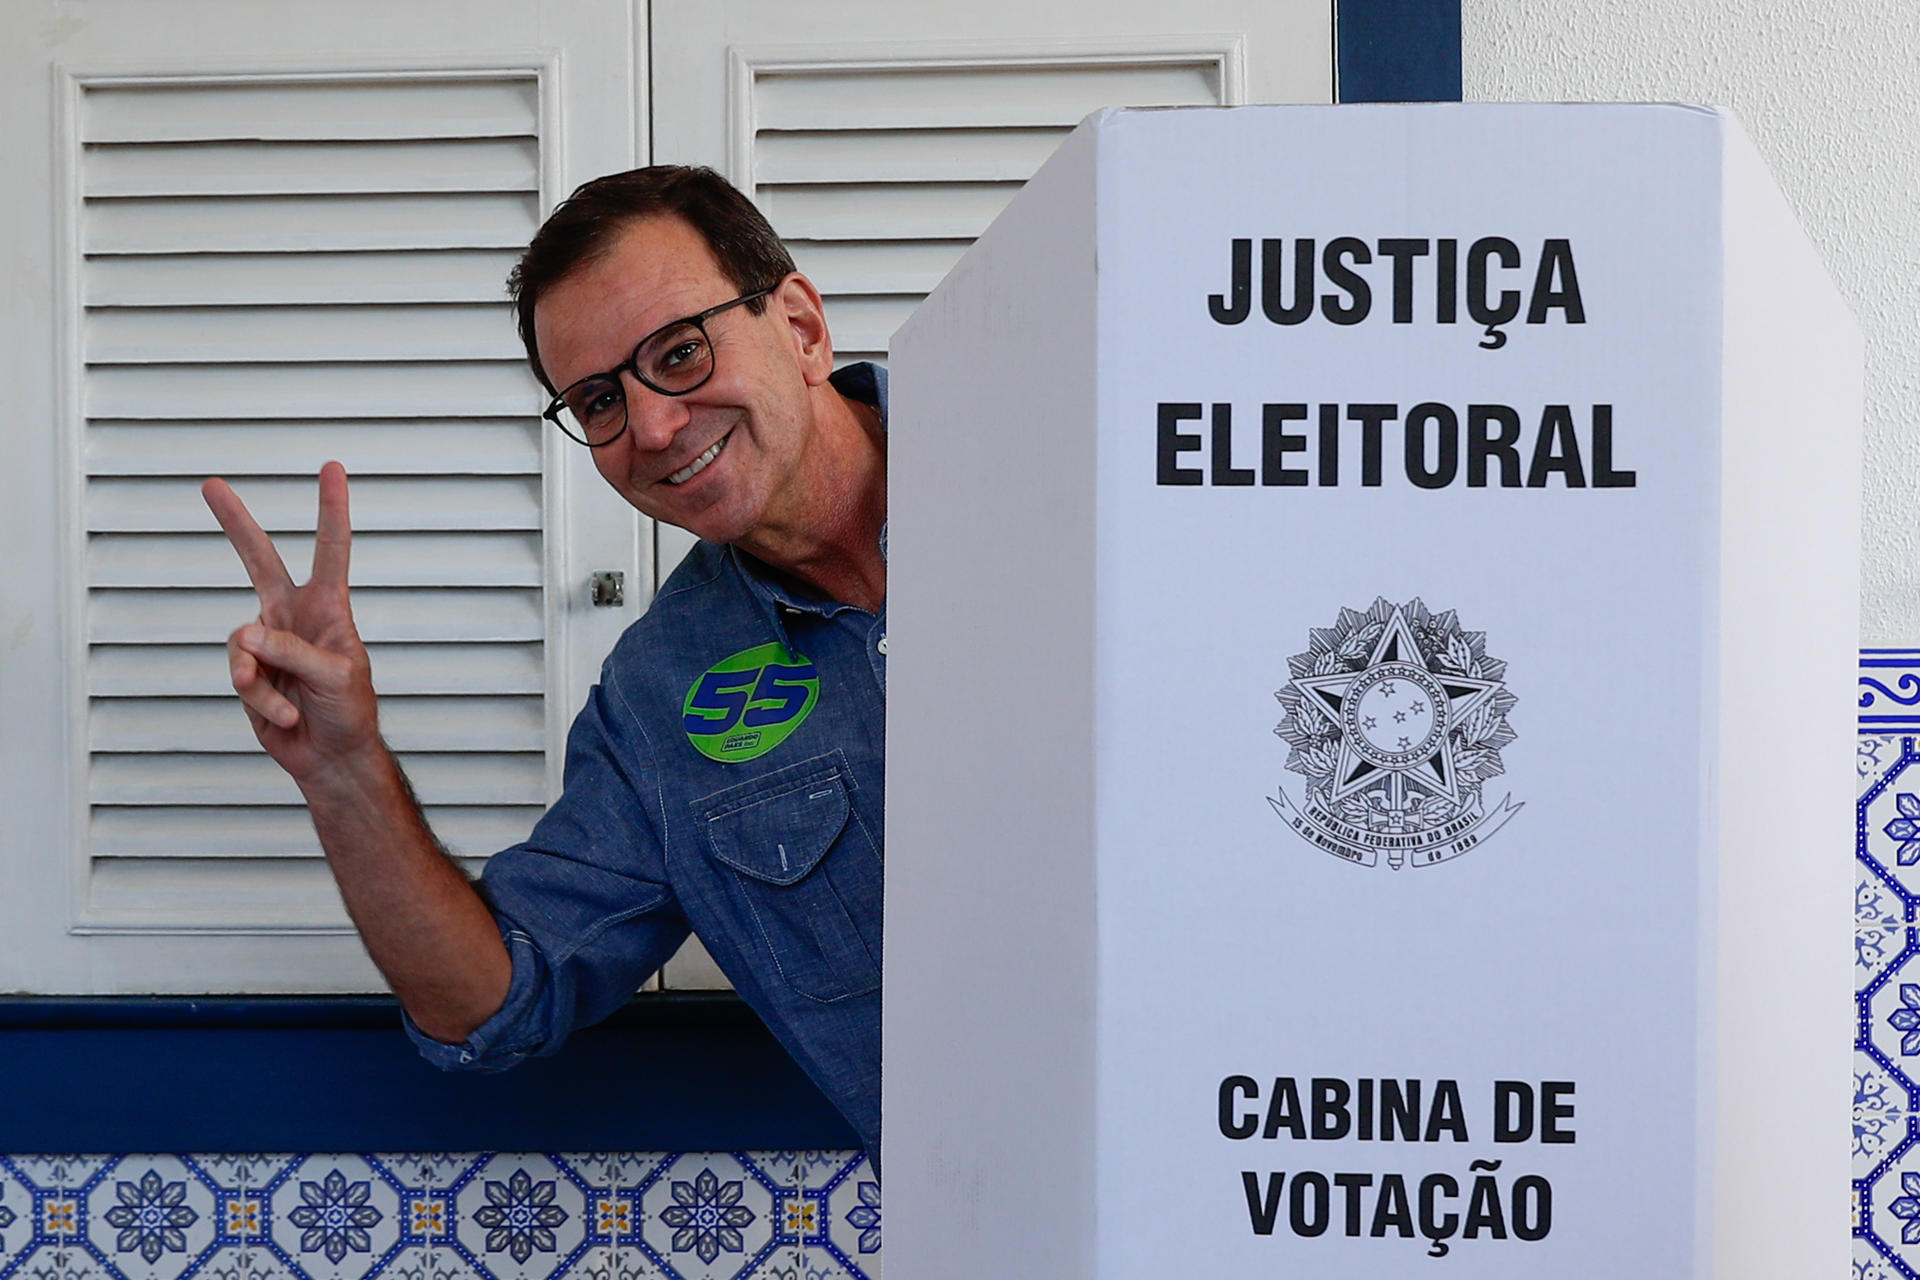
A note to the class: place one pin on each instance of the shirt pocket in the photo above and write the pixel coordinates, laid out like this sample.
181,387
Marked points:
808,872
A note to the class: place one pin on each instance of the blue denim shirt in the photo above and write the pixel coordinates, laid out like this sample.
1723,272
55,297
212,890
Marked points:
744,804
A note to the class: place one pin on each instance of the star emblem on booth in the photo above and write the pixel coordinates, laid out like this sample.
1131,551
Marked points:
1396,714
706,1216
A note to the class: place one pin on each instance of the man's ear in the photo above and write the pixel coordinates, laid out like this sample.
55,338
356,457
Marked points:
799,303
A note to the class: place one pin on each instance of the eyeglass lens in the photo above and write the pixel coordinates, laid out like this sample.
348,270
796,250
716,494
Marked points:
673,361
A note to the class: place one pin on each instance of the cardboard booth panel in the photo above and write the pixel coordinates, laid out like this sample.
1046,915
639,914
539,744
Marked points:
1572,927
1407,563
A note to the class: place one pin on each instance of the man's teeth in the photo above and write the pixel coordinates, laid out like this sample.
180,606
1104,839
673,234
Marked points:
698,465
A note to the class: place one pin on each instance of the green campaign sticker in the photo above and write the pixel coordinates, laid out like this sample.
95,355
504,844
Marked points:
747,705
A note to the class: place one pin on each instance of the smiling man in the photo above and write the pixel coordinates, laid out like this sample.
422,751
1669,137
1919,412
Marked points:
726,773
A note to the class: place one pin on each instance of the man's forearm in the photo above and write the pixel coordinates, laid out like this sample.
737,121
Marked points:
421,919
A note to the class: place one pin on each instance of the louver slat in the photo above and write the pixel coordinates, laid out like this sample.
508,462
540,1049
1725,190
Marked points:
497,389
862,323
313,111
275,334
903,155
175,616
315,168
408,724
183,894
878,211
222,779
1055,95
276,274
303,223
180,670
380,503
215,279
897,266
240,447
879,178
379,560
264,831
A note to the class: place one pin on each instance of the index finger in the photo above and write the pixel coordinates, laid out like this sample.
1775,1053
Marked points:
333,535
265,569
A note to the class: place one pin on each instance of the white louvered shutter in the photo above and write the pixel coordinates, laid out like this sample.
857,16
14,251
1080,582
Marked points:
276,235
274,273
879,177
880,141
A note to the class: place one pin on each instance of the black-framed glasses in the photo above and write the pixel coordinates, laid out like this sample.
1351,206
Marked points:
674,359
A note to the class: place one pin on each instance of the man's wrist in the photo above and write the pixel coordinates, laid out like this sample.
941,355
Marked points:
368,780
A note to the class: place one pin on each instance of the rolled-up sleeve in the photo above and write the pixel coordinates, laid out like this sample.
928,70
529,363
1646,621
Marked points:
583,904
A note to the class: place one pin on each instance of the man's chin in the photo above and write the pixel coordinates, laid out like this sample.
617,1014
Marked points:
709,525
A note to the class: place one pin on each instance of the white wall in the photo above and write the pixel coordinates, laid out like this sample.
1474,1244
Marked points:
1830,91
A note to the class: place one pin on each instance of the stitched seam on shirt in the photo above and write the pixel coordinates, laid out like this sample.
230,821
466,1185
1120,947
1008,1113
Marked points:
745,795
691,584
774,952
766,939
875,846
653,765
830,775
600,926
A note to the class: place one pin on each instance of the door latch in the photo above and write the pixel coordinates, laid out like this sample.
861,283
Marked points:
609,588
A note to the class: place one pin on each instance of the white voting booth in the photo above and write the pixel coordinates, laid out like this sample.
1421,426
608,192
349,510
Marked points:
1372,619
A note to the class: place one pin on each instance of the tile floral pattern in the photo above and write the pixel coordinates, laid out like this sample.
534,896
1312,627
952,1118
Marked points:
1886,970
769,1215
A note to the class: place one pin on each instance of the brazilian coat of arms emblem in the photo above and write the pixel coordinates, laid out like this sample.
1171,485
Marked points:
1396,718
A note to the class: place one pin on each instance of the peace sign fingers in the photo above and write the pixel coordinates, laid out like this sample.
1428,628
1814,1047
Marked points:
333,535
265,569
302,670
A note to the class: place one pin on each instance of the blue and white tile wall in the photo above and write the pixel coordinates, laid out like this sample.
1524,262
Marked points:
816,1215
770,1215
1886,952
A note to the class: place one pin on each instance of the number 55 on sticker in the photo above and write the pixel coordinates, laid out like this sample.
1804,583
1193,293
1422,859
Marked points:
746,705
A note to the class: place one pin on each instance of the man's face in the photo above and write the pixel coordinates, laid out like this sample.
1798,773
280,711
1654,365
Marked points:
755,409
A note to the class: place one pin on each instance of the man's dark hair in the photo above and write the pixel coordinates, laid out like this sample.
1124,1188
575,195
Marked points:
588,222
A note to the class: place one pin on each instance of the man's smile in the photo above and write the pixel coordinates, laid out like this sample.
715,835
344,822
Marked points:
699,464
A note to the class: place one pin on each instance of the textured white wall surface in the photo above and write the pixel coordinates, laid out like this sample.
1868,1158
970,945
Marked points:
1830,92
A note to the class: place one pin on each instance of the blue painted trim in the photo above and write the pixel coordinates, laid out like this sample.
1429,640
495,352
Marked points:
1396,50
673,1072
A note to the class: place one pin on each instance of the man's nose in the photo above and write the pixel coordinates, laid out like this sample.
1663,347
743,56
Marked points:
653,419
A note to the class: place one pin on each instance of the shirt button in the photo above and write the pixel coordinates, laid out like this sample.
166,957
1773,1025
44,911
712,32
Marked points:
882,646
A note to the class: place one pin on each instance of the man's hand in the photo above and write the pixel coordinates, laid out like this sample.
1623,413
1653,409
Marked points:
300,668
303,675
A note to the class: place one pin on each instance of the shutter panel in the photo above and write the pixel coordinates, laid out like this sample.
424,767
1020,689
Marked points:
274,273
880,176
